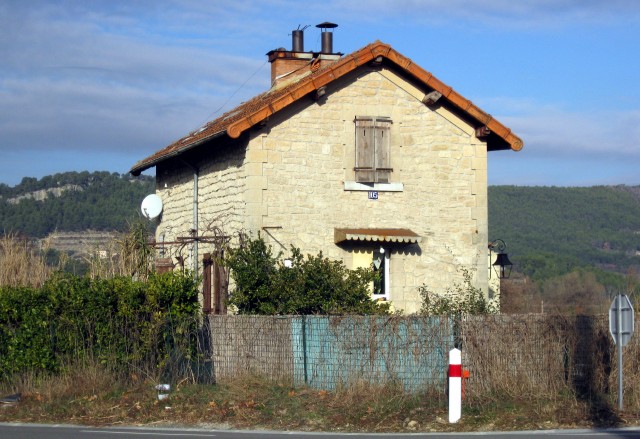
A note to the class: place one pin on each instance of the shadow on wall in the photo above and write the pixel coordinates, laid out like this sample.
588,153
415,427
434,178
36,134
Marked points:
405,249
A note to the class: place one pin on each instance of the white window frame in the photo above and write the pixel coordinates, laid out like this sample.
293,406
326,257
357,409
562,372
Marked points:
380,187
385,254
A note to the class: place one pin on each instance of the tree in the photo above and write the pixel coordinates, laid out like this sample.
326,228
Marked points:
100,200
311,285
253,268
578,292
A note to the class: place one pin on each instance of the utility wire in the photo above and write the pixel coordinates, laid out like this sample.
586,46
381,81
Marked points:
217,111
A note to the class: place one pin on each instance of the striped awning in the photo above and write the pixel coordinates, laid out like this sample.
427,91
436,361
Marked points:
401,236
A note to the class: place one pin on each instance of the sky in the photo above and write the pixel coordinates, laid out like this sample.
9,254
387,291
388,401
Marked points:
98,85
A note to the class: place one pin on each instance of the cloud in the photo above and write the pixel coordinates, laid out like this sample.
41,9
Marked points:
83,82
595,134
504,13
550,129
568,148
53,46
130,77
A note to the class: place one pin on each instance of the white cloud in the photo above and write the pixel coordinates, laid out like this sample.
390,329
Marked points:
117,75
567,147
70,81
504,13
562,133
83,115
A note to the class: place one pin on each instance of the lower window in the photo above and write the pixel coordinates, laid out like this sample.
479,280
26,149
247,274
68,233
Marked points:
379,260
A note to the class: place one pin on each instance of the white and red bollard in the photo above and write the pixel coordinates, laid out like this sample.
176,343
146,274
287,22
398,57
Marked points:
455,385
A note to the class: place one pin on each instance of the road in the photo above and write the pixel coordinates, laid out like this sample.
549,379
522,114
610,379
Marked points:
33,431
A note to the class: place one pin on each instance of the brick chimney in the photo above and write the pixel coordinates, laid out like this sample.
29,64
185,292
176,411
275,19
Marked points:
287,65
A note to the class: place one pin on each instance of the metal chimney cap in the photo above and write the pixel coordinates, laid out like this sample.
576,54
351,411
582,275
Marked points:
326,25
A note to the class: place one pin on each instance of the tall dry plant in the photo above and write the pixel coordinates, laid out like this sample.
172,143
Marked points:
21,264
130,254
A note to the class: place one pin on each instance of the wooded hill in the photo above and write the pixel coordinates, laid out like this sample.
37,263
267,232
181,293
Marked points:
72,201
551,231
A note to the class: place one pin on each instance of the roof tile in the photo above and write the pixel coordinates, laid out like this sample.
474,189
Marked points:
249,113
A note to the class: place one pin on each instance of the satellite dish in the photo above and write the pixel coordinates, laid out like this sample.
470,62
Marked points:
152,206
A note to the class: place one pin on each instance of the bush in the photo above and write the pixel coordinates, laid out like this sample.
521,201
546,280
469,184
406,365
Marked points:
312,285
117,321
459,300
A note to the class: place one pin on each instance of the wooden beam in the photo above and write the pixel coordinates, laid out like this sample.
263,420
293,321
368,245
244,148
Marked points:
482,132
431,98
319,93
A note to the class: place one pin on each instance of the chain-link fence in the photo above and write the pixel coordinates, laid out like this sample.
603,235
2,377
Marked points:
530,356
327,352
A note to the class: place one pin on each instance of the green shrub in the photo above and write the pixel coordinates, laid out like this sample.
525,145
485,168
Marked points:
312,285
118,321
458,300
25,337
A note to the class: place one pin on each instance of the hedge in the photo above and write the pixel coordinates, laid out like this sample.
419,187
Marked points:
118,321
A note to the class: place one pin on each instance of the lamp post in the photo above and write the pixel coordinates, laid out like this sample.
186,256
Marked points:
502,265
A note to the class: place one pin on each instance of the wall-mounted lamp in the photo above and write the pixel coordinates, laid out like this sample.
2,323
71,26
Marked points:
502,265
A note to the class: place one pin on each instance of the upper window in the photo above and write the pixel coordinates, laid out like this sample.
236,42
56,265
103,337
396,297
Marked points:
373,163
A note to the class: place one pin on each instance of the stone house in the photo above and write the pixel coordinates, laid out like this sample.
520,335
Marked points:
366,157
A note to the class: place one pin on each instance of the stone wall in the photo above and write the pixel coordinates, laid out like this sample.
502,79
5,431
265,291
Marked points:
221,197
300,164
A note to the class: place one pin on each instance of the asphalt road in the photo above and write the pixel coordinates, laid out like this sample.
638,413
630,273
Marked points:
33,431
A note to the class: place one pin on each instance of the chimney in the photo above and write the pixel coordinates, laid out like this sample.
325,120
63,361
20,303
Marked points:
297,37
287,65
327,36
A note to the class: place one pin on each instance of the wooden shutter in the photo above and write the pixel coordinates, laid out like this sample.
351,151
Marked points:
373,163
365,150
383,162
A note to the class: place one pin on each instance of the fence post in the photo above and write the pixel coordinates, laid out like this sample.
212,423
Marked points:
206,283
455,385
304,349
219,287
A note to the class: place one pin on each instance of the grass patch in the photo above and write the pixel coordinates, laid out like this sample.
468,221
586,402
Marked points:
93,396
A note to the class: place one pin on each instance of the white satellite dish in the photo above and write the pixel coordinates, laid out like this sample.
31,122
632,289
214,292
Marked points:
152,206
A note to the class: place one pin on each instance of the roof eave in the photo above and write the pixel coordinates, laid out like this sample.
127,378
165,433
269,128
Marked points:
361,57
143,165
504,138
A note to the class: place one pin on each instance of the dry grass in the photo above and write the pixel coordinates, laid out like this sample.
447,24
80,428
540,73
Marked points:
20,263
568,362
92,396
543,355
128,255
23,264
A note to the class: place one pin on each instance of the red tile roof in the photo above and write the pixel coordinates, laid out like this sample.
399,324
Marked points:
235,122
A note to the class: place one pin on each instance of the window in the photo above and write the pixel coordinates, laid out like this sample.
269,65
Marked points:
373,164
381,267
378,260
